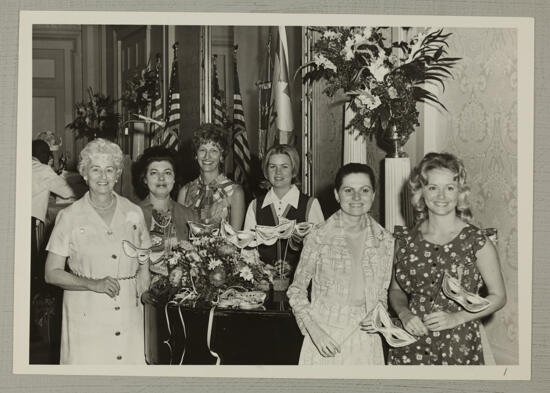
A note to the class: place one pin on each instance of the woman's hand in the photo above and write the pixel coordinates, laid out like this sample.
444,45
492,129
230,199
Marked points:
367,324
107,285
441,320
412,323
325,344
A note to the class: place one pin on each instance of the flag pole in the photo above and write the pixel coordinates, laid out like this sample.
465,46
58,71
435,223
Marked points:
263,109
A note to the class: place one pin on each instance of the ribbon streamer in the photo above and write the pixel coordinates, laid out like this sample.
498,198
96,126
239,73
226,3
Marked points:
167,342
209,336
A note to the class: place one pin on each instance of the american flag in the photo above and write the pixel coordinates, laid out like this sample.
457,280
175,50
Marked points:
157,109
218,112
171,130
241,151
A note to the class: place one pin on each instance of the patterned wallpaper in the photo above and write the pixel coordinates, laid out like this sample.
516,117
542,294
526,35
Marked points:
481,128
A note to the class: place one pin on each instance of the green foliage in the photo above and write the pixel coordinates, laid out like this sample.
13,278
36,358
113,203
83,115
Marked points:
384,81
95,118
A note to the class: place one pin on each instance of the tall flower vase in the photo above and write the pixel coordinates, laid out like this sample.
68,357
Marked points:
397,169
355,144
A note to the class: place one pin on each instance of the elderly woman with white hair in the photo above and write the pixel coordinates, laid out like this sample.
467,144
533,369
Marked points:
102,319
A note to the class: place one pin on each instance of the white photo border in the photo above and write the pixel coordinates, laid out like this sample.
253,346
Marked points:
525,43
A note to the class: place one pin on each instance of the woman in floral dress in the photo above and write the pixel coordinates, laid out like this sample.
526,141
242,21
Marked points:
212,195
348,261
442,241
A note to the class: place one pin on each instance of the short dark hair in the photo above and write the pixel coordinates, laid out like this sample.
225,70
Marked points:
354,167
41,150
208,132
139,169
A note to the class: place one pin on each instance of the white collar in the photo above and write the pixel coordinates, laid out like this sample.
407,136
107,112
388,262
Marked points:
290,198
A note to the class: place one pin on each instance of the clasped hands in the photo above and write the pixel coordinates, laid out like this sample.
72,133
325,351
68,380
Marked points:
435,322
326,345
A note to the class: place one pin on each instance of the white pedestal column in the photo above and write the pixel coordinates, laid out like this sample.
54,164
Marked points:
355,144
397,205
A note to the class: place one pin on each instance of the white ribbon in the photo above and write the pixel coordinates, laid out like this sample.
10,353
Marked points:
209,335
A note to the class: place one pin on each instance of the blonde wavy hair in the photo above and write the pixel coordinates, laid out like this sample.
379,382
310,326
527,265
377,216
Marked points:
419,179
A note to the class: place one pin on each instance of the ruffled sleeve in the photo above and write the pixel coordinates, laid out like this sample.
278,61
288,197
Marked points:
400,233
480,237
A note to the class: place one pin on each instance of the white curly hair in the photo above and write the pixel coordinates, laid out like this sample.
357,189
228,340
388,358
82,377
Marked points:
100,146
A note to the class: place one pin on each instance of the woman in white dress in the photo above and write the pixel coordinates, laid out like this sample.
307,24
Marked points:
348,260
102,319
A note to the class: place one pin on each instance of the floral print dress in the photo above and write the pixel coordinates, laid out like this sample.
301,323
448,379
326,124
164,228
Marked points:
419,269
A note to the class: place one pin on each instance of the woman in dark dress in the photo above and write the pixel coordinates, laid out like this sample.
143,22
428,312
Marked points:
442,241
155,181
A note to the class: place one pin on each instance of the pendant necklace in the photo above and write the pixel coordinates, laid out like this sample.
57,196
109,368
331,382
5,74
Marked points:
163,226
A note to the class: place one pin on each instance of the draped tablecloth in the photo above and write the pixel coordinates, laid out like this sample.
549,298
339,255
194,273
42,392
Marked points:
238,337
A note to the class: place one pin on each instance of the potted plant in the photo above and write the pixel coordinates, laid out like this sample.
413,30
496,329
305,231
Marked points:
95,118
384,82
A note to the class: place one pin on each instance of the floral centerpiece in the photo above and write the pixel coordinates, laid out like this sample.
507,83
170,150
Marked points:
95,118
140,90
201,270
384,80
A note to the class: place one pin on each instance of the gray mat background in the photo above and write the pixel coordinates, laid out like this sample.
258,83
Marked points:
540,9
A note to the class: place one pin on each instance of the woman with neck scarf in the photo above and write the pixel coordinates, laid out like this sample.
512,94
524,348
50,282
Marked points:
212,195
348,261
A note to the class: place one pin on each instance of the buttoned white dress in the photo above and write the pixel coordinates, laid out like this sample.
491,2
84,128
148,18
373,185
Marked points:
98,329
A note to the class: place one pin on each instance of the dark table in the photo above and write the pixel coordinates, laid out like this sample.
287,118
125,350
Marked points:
239,337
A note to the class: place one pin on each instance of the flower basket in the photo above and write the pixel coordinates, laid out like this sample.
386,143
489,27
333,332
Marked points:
201,271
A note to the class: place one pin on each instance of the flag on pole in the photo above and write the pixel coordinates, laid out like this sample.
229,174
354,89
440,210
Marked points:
282,106
170,137
241,150
218,112
264,99
157,109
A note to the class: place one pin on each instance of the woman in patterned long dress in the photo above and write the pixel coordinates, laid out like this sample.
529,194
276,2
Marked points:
102,320
212,195
443,241
348,260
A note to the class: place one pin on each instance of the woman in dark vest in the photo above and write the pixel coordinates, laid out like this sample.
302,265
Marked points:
283,201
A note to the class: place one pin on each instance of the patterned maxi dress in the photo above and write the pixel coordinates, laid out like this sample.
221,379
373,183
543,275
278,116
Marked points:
212,201
419,269
326,262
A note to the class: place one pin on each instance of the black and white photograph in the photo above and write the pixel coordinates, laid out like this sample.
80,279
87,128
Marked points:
214,190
